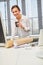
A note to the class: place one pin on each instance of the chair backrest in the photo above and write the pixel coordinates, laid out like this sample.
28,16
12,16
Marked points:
41,38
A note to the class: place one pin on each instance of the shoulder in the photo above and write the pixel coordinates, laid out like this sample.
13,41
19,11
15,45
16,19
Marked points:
24,17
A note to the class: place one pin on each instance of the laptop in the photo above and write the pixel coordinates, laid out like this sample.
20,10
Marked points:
40,45
2,33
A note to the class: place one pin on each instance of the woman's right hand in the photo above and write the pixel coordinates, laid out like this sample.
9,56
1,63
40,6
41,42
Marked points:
9,43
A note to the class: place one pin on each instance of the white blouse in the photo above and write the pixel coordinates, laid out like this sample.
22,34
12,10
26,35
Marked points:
16,31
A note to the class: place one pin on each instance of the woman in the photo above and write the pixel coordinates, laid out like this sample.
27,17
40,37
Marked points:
22,28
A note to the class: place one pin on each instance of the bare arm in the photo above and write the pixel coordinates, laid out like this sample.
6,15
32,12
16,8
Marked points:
19,41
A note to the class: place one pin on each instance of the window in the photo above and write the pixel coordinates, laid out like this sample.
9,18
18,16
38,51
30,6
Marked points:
32,13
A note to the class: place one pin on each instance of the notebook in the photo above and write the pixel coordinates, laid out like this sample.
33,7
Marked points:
2,33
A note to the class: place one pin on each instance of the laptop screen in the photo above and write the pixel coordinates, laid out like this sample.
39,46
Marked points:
2,38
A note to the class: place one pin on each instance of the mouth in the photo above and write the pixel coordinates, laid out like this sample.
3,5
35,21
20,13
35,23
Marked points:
16,15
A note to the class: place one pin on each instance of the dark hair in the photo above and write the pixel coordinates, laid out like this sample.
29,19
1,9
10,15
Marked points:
16,7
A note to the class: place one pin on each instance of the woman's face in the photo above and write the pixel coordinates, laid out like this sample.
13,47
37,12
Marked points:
16,12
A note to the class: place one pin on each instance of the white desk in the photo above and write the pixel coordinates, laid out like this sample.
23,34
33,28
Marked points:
20,56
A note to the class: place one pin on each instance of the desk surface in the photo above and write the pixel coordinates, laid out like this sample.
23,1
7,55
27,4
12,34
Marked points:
19,56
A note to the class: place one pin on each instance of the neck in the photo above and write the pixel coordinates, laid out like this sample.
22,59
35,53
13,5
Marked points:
19,17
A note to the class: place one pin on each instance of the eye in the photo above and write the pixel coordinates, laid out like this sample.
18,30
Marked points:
15,11
12,12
